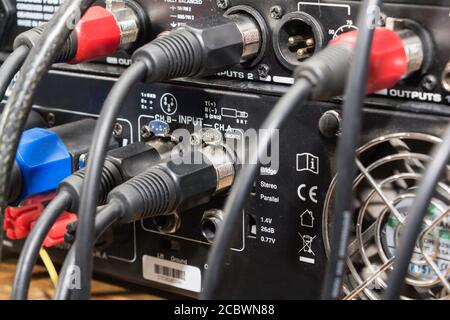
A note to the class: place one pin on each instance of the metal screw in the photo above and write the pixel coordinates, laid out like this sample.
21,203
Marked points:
118,130
429,82
51,119
146,133
276,12
223,4
263,70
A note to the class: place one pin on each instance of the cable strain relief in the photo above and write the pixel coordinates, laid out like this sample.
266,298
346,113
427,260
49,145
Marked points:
30,37
176,55
151,194
327,70
69,50
110,178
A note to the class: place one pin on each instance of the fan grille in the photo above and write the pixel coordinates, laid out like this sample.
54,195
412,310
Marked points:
390,168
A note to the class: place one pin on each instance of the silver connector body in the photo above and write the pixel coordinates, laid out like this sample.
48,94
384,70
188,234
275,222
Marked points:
224,163
251,35
413,49
126,19
446,77
412,43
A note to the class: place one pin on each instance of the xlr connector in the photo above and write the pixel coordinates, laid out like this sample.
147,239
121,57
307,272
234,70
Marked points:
99,33
177,185
202,48
120,165
250,33
396,53
127,20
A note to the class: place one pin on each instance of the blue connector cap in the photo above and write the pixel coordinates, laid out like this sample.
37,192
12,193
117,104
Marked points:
44,162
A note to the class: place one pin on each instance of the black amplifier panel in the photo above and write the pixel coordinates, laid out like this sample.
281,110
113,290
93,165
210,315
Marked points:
321,20
278,250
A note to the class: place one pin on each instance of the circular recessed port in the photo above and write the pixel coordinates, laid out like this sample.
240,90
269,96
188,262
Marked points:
167,224
296,38
446,78
257,17
210,224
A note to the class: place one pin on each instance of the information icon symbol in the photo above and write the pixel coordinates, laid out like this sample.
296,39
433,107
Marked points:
169,104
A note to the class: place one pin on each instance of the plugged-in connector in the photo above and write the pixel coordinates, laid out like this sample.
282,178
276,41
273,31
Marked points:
204,47
45,157
19,221
120,165
127,20
176,185
260,35
99,33
417,42
395,54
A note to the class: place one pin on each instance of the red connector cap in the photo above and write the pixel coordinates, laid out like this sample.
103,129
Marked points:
388,58
98,35
19,221
394,55
56,233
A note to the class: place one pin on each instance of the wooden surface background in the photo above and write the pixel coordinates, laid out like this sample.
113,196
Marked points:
42,288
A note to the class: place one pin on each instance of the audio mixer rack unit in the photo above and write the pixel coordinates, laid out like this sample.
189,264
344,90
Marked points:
282,242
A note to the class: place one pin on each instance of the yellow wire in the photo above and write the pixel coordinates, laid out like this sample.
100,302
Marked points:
48,263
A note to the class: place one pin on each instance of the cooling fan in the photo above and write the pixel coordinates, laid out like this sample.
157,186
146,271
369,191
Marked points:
390,169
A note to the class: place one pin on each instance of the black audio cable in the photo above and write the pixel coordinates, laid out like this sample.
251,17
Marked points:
297,94
10,67
33,243
120,165
318,78
8,70
202,48
173,186
89,195
348,141
82,44
19,104
321,77
105,217
97,34
70,36
415,218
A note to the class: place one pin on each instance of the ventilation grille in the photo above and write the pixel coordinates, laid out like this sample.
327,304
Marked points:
390,169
